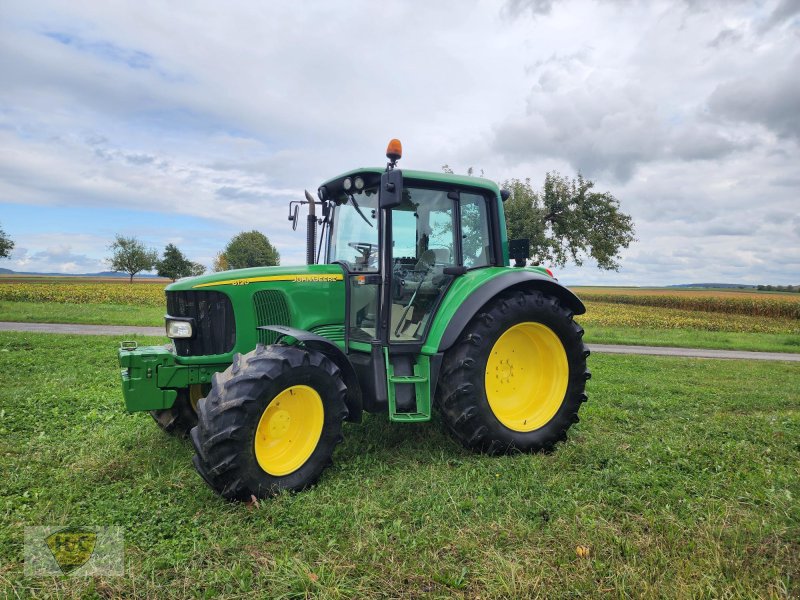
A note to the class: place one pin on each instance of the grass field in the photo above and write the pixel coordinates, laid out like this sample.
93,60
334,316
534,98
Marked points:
681,479
91,314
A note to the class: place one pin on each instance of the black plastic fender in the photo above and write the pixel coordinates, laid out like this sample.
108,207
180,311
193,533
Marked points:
513,279
312,341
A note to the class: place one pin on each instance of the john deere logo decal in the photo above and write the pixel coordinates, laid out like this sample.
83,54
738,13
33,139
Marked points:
72,547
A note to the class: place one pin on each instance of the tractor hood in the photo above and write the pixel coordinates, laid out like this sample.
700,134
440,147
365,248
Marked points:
254,275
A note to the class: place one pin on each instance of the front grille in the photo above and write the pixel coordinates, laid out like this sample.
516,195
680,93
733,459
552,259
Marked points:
215,327
271,308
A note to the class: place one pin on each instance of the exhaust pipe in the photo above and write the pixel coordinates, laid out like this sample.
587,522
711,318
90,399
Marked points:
311,230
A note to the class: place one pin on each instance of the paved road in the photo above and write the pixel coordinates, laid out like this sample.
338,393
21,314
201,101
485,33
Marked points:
125,330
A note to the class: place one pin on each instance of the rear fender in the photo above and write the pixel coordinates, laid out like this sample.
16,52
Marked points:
479,296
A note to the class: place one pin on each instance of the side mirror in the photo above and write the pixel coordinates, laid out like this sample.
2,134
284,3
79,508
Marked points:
391,193
519,250
293,216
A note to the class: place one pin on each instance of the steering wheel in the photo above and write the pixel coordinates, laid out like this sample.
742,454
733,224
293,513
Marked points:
365,248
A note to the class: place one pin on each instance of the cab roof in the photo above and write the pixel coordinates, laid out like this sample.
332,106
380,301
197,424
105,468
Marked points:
432,176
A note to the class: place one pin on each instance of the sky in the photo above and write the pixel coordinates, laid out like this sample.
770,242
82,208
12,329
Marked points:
187,123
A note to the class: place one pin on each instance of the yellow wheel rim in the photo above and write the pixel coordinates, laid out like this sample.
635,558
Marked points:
289,430
526,376
195,393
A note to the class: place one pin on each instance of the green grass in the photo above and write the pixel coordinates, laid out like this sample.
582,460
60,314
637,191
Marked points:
693,338
88,314
681,478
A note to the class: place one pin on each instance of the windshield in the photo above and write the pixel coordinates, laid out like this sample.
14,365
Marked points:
352,240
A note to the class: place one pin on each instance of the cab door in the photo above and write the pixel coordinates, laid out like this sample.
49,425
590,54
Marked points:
424,246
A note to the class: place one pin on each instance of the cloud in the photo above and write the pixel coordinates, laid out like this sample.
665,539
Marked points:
515,8
727,36
61,254
785,10
770,98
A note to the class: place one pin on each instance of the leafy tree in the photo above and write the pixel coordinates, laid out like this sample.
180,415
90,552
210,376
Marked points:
250,249
6,244
197,269
567,220
220,262
173,264
130,256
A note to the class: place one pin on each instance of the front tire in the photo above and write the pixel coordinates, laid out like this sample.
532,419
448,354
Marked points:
515,379
270,422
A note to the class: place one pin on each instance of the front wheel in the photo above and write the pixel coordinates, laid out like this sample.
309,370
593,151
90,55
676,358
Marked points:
270,422
516,377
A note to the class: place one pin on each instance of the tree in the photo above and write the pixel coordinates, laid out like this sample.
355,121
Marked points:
220,262
174,264
197,269
6,244
248,249
130,256
567,220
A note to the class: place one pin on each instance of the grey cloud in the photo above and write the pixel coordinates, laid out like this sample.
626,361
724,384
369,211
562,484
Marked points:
778,217
782,181
725,37
515,8
599,128
140,159
784,11
237,193
734,229
770,98
701,142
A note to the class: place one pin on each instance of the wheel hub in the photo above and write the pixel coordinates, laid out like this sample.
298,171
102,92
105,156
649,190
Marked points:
289,430
279,424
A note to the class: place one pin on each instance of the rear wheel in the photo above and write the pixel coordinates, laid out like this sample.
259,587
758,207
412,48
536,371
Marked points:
516,377
270,422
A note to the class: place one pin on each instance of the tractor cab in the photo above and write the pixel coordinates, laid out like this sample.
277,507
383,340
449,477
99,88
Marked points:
402,238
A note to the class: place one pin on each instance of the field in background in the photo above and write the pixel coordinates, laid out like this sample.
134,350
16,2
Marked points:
681,479
751,303
723,319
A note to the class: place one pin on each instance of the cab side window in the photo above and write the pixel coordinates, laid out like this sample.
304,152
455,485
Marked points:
475,231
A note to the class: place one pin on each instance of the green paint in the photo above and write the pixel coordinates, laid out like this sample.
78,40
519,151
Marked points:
421,381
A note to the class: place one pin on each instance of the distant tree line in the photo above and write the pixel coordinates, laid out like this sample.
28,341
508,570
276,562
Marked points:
130,255
779,288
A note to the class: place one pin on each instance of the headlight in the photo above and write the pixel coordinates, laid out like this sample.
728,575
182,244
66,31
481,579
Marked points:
179,329
347,184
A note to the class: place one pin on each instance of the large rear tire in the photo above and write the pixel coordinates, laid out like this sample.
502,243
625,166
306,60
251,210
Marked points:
270,422
515,379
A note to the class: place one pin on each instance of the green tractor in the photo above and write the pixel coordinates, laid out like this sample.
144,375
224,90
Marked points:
408,301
